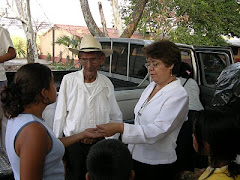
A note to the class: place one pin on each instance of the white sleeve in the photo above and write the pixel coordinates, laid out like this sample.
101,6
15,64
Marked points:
115,112
164,122
61,110
5,40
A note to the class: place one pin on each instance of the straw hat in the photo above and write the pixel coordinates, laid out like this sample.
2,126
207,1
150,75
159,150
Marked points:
89,44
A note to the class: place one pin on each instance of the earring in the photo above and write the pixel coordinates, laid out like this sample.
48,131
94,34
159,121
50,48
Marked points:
46,103
171,72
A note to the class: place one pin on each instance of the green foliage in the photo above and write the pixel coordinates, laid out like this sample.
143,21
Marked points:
183,35
208,21
73,42
195,22
48,57
19,44
67,41
157,19
61,66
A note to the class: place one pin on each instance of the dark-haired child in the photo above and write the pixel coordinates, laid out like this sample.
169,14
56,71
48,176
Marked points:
109,159
215,135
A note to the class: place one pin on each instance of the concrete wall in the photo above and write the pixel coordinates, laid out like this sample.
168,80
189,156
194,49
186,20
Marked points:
46,45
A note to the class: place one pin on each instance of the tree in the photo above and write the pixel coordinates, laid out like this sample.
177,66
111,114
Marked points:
130,27
68,42
91,24
208,21
134,19
20,46
198,22
117,17
103,19
158,18
24,16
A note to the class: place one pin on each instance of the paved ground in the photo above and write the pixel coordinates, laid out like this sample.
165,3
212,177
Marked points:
24,61
15,64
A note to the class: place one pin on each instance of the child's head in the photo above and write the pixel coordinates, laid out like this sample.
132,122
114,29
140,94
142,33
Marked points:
109,159
185,70
27,88
217,134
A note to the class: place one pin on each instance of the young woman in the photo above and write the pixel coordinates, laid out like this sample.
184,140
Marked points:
216,135
33,150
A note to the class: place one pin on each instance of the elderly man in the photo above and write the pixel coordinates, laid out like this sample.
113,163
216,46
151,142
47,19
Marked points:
86,98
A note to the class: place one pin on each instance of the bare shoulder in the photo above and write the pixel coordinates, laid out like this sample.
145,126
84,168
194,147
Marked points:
32,135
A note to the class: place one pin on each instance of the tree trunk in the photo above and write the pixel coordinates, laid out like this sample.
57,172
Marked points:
30,53
135,18
92,26
103,19
31,35
129,30
25,17
117,17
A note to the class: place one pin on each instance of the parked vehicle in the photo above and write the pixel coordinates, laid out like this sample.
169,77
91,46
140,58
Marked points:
126,70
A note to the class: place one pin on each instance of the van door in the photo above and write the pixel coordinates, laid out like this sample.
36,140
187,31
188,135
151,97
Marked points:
211,63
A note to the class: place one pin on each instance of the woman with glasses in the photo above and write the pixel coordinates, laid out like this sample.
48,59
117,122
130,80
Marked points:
159,115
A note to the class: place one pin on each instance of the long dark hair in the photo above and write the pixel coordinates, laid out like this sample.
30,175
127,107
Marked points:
221,131
28,82
185,70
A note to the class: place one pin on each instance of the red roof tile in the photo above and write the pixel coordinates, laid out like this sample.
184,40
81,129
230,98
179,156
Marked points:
82,30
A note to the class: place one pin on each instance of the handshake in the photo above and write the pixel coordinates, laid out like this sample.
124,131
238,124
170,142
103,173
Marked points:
91,135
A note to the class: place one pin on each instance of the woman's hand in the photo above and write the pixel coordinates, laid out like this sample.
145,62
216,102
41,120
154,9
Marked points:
110,129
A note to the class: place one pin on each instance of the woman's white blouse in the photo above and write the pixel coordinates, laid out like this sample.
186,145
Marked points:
152,140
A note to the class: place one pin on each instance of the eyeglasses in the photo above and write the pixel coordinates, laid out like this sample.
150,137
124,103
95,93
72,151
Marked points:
91,60
153,64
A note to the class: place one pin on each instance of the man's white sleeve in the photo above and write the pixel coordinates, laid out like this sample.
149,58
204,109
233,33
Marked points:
61,110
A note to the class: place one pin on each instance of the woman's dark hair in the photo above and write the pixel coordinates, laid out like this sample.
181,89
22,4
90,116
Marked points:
166,51
221,131
28,82
109,159
185,70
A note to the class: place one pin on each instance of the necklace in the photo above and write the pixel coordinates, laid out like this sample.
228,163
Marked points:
172,80
145,103
142,107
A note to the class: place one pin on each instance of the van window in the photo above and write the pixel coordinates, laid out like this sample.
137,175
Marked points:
213,64
186,57
137,61
105,66
119,58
